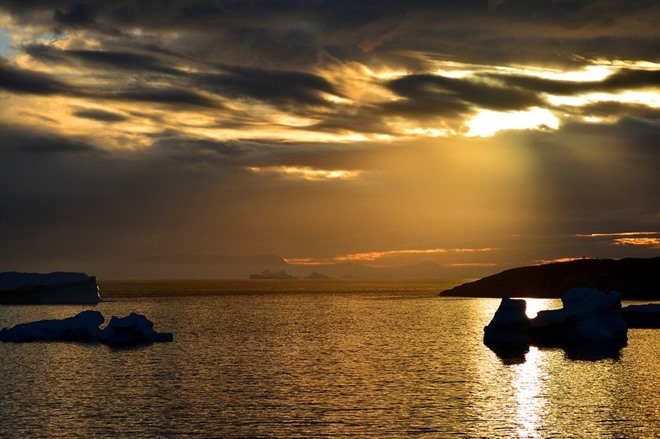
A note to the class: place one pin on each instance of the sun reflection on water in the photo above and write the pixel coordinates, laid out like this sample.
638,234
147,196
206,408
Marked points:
529,387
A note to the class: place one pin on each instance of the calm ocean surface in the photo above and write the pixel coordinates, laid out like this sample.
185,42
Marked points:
317,359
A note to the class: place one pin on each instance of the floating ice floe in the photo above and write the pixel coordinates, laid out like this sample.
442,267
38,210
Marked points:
132,330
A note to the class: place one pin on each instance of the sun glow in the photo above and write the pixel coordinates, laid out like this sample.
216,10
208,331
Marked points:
487,122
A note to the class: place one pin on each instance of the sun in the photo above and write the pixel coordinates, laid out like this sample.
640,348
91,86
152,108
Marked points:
487,123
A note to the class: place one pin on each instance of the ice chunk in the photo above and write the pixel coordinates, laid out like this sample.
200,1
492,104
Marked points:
593,315
132,330
589,326
509,324
642,316
588,315
82,327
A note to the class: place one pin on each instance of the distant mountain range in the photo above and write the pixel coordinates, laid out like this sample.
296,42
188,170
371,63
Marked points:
242,267
635,279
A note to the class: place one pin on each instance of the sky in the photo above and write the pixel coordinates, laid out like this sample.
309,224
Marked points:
479,135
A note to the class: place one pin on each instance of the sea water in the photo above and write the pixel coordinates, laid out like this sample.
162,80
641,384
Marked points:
317,359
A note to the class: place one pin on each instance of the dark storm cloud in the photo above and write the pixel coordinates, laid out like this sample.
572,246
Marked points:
26,141
25,81
618,109
168,95
277,87
366,119
292,33
191,150
100,115
438,95
100,59
77,14
622,80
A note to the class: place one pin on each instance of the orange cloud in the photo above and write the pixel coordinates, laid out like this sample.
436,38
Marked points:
306,173
552,261
641,239
375,255
604,235
645,242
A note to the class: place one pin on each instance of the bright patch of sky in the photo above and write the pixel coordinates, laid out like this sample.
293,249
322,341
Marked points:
6,49
487,122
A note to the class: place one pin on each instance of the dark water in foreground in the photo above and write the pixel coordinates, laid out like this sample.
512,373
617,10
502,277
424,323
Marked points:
317,359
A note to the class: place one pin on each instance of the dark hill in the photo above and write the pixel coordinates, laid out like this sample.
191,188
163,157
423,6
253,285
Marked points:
635,279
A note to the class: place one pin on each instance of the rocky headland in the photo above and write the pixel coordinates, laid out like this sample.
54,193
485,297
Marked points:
634,278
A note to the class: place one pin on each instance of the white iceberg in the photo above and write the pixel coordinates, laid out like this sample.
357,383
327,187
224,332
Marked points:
51,288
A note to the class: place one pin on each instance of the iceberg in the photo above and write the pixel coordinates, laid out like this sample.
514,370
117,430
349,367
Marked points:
51,288
509,324
132,330
588,315
642,316
82,327
590,325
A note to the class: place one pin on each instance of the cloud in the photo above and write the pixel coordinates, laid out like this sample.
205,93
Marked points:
79,14
276,87
174,127
625,79
25,141
373,256
647,239
653,243
432,95
100,59
161,95
18,80
306,173
100,115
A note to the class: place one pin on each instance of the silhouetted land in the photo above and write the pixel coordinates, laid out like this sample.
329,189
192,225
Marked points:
635,279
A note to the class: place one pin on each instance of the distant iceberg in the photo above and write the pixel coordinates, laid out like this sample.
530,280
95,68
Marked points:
132,330
52,288
267,274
